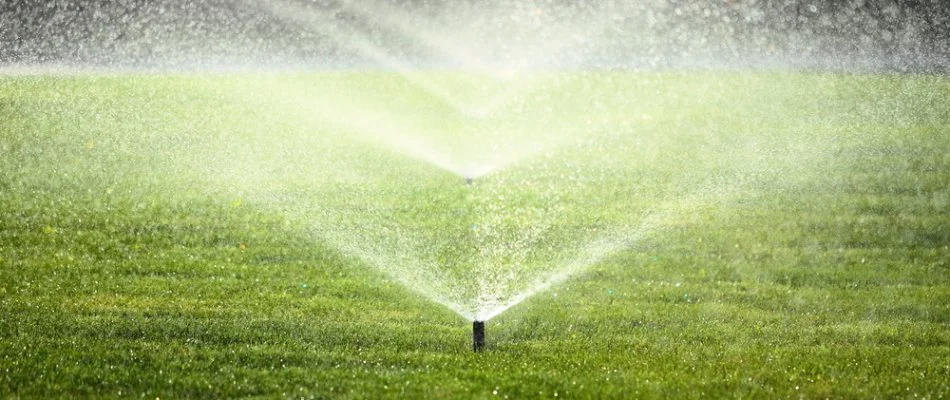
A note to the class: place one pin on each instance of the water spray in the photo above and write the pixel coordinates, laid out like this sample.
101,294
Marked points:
478,335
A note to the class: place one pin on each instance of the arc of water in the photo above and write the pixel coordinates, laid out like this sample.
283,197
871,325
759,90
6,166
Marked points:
595,251
621,238
411,273
308,19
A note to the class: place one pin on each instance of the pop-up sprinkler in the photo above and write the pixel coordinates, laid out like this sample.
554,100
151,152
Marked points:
478,335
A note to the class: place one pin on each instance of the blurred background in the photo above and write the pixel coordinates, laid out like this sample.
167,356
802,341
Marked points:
875,35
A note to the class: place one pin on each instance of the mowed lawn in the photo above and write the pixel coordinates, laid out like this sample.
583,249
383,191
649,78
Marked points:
175,235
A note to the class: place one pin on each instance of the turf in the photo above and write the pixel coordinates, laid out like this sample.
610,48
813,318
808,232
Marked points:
157,238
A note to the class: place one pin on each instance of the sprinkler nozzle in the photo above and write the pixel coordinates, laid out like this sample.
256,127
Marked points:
478,335
468,180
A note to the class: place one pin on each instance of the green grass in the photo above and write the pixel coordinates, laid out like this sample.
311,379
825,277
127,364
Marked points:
179,236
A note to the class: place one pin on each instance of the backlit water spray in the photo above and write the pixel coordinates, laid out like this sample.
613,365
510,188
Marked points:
477,154
522,222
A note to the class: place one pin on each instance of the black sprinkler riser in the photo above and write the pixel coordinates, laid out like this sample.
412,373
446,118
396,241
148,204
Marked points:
478,335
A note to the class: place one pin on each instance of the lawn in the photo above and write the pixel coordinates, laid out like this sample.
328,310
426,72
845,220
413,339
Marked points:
292,234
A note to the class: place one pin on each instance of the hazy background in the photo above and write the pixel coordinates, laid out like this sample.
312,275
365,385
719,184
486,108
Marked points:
880,35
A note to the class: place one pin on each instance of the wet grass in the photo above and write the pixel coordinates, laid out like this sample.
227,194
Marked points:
126,273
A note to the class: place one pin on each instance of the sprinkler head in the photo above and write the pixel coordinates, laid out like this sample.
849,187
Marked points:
468,180
478,335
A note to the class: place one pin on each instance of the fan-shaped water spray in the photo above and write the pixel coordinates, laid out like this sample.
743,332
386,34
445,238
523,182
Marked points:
521,223
487,242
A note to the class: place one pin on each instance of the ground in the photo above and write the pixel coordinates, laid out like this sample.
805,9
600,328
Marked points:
136,260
